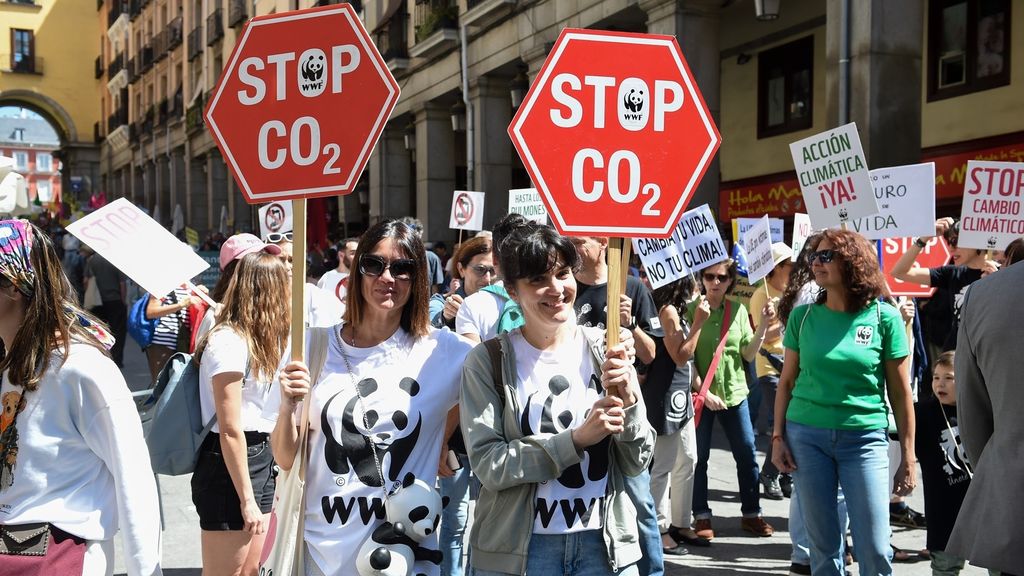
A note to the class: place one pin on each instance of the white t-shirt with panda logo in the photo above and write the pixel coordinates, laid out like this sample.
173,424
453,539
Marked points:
408,387
556,389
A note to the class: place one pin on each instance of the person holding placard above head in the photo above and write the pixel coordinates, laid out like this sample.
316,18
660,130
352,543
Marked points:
844,353
544,436
74,467
720,336
233,483
377,412
769,359
951,281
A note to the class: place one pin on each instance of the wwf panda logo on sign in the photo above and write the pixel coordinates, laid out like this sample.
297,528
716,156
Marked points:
633,109
311,72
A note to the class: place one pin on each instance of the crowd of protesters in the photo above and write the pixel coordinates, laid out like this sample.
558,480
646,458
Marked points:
485,373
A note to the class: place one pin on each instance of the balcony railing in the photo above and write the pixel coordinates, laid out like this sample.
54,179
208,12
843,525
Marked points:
99,67
434,15
160,46
175,106
392,38
195,42
22,63
117,8
237,13
146,58
116,65
174,33
214,26
118,118
133,70
194,116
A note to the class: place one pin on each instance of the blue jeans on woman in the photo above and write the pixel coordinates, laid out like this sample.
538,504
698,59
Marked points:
736,422
576,554
454,518
858,460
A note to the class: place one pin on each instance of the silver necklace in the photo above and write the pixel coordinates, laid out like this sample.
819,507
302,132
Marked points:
362,406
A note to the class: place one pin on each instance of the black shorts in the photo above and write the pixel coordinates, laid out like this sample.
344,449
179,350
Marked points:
214,493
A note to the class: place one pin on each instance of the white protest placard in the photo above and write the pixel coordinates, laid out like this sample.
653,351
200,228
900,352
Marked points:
906,203
833,177
275,217
992,215
467,210
138,246
757,242
801,231
694,245
741,225
527,202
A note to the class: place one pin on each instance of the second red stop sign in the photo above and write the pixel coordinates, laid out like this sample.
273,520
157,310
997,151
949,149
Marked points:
301,103
615,133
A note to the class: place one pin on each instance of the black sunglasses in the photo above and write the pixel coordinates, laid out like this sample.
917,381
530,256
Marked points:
709,277
823,256
482,270
373,265
275,237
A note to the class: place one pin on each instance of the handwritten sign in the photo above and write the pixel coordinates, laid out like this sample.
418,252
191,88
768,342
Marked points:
694,245
906,203
992,215
801,231
138,246
833,177
741,225
527,202
757,242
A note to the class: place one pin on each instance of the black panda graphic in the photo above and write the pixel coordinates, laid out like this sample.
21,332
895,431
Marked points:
313,68
351,449
597,463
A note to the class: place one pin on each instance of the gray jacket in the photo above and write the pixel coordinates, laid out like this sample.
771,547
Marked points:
510,466
989,365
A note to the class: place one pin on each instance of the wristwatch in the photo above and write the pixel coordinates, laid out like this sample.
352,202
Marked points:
920,242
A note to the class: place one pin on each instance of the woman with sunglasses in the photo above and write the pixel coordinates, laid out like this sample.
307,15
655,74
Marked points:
474,269
551,448
74,468
844,354
726,399
379,408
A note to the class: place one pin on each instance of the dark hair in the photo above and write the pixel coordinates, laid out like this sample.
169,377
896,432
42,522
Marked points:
501,230
799,277
468,250
415,315
676,293
533,250
222,282
731,268
945,359
1014,252
858,266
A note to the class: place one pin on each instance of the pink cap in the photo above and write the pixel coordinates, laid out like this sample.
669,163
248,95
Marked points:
240,245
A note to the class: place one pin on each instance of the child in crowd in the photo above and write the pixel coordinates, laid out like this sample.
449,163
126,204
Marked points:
944,467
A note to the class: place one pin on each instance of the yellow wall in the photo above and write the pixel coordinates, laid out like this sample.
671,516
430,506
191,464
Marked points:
67,40
981,114
743,155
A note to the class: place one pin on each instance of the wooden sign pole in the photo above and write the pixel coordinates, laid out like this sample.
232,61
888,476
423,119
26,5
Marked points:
618,268
298,279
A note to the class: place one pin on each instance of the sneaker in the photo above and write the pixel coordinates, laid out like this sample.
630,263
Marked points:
907,517
703,529
786,484
756,526
799,569
772,490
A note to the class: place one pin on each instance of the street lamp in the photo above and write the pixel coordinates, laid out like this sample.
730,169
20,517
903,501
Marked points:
459,116
410,137
767,9
518,87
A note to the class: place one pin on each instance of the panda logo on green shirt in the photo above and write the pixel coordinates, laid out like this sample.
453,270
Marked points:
864,334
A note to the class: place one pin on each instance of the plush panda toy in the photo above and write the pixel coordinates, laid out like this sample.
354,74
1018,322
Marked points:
413,513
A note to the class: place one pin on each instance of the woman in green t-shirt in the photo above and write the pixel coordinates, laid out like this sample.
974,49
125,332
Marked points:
843,354
727,396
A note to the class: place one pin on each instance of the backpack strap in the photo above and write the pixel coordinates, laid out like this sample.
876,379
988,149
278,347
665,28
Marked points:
493,346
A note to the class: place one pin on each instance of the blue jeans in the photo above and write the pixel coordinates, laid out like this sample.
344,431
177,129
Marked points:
858,460
652,562
768,385
753,393
736,422
577,554
798,531
454,518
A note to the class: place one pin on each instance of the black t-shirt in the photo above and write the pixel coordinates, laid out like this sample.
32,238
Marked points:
953,280
592,303
943,469
666,391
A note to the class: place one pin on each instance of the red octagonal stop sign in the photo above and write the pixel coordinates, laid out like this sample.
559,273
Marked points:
936,253
301,103
615,134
